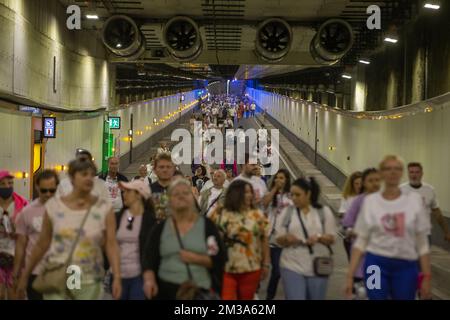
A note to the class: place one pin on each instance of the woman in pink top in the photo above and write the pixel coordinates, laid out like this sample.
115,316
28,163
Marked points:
11,205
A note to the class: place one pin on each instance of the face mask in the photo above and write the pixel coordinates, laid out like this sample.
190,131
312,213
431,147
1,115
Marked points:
5,193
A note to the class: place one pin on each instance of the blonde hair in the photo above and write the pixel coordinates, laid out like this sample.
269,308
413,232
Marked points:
178,181
349,186
391,158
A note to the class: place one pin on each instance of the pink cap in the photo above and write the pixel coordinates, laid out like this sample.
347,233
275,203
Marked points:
138,185
5,174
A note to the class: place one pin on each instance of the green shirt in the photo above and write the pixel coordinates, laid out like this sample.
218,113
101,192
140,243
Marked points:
172,269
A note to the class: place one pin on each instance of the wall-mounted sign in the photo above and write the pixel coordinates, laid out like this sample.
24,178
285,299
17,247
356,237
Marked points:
114,123
29,109
49,127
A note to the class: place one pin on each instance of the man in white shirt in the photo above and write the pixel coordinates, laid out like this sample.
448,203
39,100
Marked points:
253,109
210,183
249,173
211,197
426,191
112,179
143,175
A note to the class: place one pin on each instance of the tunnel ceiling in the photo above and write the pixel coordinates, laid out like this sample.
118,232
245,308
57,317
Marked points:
228,29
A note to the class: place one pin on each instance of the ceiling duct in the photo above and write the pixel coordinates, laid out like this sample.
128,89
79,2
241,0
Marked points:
122,36
273,39
182,38
333,40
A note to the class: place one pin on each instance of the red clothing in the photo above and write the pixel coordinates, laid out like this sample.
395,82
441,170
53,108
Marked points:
240,286
19,203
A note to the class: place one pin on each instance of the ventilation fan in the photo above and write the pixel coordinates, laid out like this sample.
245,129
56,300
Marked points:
122,37
333,40
182,38
273,39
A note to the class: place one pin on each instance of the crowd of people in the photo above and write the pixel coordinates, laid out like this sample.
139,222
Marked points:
216,233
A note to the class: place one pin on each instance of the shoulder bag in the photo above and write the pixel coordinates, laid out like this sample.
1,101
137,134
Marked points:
53,279
188,290
322,266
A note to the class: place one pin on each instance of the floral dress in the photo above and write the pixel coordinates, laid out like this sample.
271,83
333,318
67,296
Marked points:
243,233
88,254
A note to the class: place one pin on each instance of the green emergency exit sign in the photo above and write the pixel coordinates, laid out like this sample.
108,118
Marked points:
114,122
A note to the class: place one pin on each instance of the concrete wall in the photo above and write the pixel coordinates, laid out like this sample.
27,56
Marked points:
348,143
15,147
73,134
83,131
33,34
414,69
143,114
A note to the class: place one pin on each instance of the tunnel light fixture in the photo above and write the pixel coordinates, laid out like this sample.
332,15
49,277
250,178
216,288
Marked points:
92,16
364,61
119,45
433,6
390,40
346,76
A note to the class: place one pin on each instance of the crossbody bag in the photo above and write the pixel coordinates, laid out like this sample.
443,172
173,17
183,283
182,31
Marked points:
53,279
322,266
189,290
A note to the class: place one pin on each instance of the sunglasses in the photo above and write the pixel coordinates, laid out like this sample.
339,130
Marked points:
130,223
52,191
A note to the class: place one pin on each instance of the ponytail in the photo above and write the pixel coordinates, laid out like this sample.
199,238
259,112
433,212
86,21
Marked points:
312,186
315,192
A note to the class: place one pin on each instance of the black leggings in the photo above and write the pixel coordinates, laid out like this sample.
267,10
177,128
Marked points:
31,293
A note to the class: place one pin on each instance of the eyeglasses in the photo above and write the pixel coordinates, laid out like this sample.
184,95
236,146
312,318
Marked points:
130,223
52,191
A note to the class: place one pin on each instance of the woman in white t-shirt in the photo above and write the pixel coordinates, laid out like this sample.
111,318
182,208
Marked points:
275,201
392,230
306,232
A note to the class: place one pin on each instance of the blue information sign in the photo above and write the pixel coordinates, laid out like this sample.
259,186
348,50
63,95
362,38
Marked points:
49,127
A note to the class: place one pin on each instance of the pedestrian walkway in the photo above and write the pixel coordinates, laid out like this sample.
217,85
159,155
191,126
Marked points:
331,194
293,159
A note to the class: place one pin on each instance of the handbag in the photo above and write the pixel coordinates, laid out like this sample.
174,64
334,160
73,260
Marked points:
188,290
6,260
53,278
322,266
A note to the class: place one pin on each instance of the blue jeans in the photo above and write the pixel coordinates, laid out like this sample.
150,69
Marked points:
275,254
133,289
299,287
398,278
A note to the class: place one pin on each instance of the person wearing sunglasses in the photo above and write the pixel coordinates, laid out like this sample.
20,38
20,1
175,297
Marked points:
11,205
134,223
29,225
